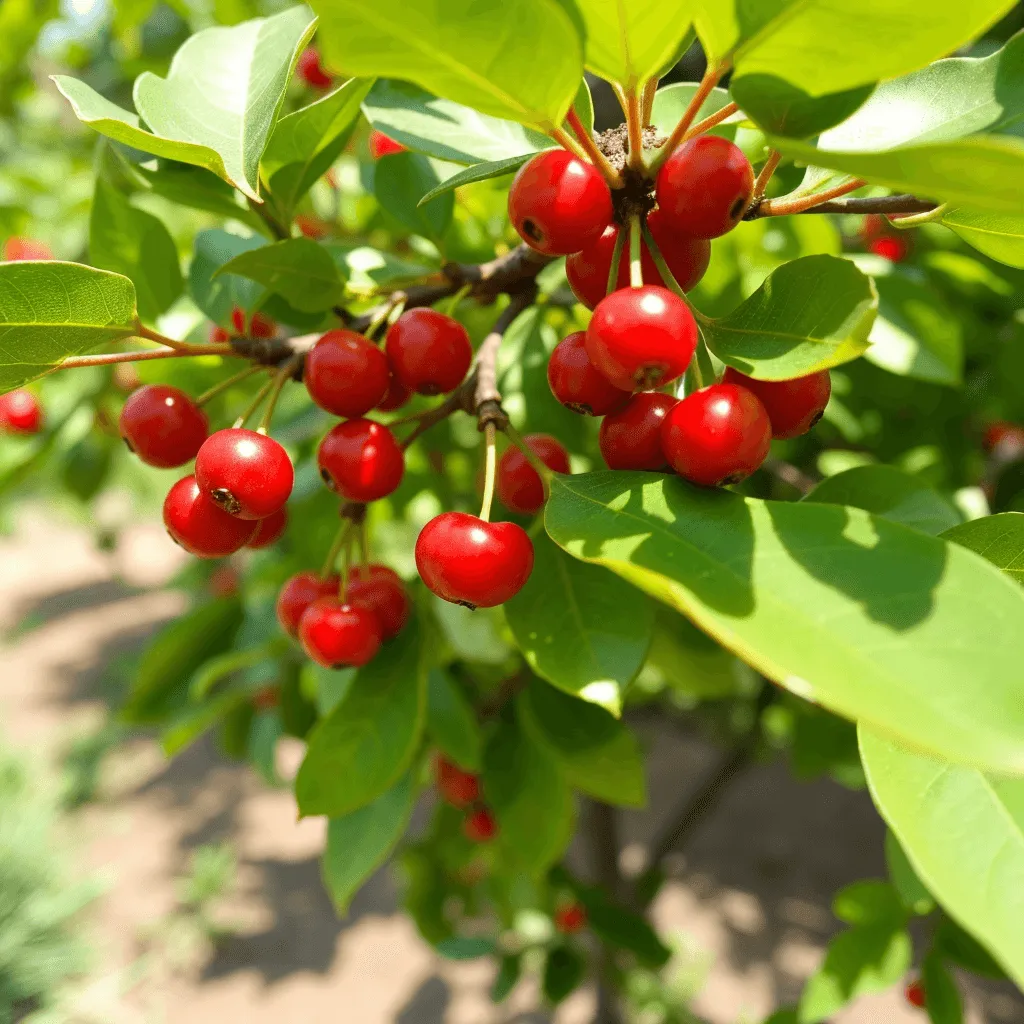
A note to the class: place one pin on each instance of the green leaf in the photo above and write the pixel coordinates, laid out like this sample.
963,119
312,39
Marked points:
307,142
629,42
486,56
824,47
193,721
447,130
622,928
478,172
564,971
998,538
865,903
360,749
963,949
401,181
465,947
580,627
509,971
358,843
52,310
199,189
781,108
941,994
963,832
996,235
264,734
597,753
452,723
216,294
134,243
809,315
531,800
671,101
859,962
297,268
890,493
865,617
912,892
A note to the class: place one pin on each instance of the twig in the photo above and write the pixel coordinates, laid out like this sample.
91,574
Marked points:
786,205
711,121
707,84
598,158
863,204
603,835
185,347
106,358
766,172
486,391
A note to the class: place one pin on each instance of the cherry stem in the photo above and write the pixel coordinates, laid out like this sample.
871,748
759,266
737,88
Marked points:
766,172
613,273
707,84
600,161
647,102
791,204
540,467
663,268
566,141
635,130
912,220
206,396
184,347
276,386
636,267
253,405
106,358
456,299
490,466
364,549
335,549
711,121
346,558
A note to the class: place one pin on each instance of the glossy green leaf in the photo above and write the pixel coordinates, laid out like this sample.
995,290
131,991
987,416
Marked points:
199,189
869,902
996,235
582,628
452,723
363,746
809,315
216,294
964,834
866,617
564,971
194,721
484,55
629,42
478,172
134,243
509,971
358,843
912,892
306,142
597,753
444,129
621,928
778,107
264,734
671,101
297,268
961,948
998,538
892,494
401,181
52,310
942,997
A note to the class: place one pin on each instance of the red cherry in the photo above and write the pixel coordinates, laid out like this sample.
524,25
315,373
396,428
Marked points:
1000,434
270,529
704,187
246,473
793,406
686,257
558,203
519,484
219,335
338,635
631,437
873,227
361,460
468,561
890,248
16,249
238,319
311,71
261,326
428,351
199,526
571,918
641,338
312,227
266,699
398,394
298,593
458,788
480,826
346,374
915,994
163,426
577,384
224,581
383,145
382,591
718,435
20,412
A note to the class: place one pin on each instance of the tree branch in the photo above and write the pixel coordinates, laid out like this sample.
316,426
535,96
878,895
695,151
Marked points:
602,832
861,204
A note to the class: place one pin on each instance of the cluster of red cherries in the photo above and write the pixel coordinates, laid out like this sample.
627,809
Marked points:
642,339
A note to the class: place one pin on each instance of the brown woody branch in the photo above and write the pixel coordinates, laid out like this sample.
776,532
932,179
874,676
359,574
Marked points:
897,204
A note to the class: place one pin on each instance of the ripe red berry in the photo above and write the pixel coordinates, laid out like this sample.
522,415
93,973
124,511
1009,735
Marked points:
163,426
558,203
458,788
468,561
298,593
397,395
312,227
428,351
199,526
718,435
266,699
631,437
338,635
1001,434
246,473
346,374
270,529
915,994
361,460
383,145
571,918
891,248
704,187
577,384
311,71
20,412
480,826
382,591
224,581
793,406
16,249
219,335
588,271
641,338
519,484
238,319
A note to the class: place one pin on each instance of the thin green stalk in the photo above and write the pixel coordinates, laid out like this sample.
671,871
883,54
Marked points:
617,251
213,392
276,386
364,549
253,405
542,470
636,269
490,466
335,549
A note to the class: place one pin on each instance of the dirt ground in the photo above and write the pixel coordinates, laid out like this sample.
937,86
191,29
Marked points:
751,891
